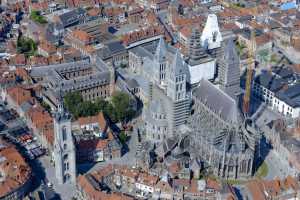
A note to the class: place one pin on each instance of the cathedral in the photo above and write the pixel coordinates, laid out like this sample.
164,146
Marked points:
223,138
197,97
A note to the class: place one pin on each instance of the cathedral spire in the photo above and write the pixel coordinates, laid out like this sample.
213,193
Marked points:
230,53
161,50
211,36
177,66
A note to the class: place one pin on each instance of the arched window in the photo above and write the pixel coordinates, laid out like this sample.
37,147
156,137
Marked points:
65,156
67,177
64,133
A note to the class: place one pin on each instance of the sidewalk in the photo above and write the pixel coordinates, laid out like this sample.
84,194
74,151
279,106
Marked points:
66,191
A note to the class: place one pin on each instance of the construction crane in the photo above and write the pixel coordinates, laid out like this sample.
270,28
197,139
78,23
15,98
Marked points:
249,73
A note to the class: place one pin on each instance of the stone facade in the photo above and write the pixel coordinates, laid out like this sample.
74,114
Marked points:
64,148
93,79
168,75
229,71
157,125
222,139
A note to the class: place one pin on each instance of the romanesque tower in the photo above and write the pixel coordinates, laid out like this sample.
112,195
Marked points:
160,58
229,70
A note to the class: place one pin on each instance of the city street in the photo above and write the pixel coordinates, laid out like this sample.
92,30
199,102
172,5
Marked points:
66,191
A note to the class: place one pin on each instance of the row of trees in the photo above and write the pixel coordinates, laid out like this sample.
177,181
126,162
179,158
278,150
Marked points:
118,109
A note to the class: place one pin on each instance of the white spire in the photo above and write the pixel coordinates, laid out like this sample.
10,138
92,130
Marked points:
211,36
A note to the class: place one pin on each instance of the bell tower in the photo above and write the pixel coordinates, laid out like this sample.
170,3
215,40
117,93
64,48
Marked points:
64,148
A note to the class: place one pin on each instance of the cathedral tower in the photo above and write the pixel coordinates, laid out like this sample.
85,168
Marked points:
178,75
161,61
229,70
177,79
195,51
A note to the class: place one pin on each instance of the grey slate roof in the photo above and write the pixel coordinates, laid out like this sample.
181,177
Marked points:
111,49
25,106
115,47
231,141
178,66
166,146
270,82
291,96
132,83
68,17
218,101
161,50
283,72
100,76
142,52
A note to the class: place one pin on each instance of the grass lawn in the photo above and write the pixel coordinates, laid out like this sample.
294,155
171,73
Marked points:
37,17
262,171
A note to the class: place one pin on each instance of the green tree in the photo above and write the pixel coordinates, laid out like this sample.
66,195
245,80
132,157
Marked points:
26,46
100,104
121,104
73,101
46,106
118,109
111,112
123,137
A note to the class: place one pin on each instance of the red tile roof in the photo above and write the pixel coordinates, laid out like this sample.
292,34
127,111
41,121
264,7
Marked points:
19,95
15,171
100,119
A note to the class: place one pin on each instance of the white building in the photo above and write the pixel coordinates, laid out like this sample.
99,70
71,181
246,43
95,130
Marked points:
145,184
287,102
278,95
